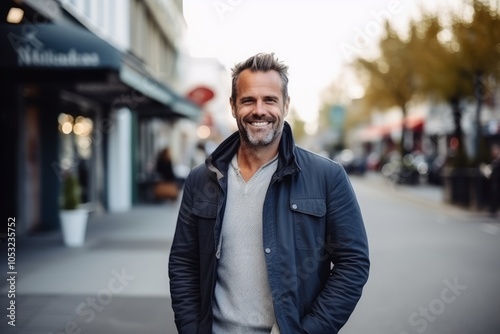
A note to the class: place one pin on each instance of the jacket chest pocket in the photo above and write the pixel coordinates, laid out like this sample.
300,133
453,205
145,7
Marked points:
206,215
309,222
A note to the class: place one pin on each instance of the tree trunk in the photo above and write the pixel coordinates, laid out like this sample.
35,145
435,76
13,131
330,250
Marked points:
460,157
480,95
457,118
404,151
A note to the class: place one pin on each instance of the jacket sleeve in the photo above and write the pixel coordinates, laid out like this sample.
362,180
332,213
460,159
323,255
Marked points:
347,246
183,267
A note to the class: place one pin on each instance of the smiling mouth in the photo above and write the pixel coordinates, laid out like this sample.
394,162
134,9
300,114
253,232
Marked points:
259,124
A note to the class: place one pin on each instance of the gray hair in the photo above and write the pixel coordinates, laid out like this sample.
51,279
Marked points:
260,62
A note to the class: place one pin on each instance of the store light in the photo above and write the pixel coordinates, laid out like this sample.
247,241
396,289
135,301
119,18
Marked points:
15,15
203,132
78,129
66,128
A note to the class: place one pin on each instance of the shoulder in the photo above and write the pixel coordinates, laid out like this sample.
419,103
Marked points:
318,170
201,175
198,172
319,174
308,160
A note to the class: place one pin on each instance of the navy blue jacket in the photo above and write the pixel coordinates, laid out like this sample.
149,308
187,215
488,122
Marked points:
314,238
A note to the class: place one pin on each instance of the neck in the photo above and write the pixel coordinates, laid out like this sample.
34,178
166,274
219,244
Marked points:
250,159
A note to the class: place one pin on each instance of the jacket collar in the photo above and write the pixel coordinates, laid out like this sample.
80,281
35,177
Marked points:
220,159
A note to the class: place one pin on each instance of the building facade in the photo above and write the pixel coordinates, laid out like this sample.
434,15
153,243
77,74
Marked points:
84,84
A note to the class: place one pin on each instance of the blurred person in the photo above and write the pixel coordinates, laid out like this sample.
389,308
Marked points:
269,237
164,166
168,186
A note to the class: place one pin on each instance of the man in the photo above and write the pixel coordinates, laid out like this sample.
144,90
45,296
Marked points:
269,237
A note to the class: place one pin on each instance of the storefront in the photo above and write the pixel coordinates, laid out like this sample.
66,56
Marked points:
63,89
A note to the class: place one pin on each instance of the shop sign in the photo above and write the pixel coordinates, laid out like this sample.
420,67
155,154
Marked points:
29,56
200,95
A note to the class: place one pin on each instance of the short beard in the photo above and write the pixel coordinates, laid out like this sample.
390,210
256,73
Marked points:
258,141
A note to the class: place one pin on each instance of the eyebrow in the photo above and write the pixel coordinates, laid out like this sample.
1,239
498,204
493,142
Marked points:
266,97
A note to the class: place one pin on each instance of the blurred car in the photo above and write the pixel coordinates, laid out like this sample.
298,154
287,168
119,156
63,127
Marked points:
352,164
406,170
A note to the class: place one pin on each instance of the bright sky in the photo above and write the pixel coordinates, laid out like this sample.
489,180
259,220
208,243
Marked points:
315,37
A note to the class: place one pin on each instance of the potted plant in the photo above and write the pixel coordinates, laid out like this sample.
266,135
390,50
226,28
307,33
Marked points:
73,217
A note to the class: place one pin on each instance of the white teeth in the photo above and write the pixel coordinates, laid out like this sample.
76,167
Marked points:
260,123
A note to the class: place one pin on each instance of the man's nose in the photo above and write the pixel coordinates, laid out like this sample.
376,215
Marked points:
260,107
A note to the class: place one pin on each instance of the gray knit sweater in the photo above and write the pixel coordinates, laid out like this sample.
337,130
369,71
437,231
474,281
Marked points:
243,302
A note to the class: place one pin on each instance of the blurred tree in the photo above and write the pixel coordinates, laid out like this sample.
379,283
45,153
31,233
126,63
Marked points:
323,117
357,113
451,63
460,62
478,58
390,79
336,94
439,73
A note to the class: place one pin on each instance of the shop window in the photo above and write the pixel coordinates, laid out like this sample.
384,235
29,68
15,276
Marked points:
76,147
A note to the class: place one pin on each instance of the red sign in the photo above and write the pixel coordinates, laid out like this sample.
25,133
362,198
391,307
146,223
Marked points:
200,95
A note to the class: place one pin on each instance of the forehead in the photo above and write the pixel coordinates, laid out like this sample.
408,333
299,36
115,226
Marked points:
259,81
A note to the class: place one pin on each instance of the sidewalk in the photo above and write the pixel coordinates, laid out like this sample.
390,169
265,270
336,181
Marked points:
420,192
425,194
116,283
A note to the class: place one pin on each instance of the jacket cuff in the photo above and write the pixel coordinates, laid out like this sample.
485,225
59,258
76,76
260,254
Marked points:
189,328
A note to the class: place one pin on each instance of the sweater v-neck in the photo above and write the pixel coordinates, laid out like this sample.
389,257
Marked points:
248,184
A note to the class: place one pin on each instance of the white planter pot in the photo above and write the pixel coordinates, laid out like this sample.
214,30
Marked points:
74,225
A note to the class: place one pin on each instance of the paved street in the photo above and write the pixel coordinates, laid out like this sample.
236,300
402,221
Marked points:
435,269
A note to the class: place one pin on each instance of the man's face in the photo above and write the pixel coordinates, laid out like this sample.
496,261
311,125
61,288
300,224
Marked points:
259,108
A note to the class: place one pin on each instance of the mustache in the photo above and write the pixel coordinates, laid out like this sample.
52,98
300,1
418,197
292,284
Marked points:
259,119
